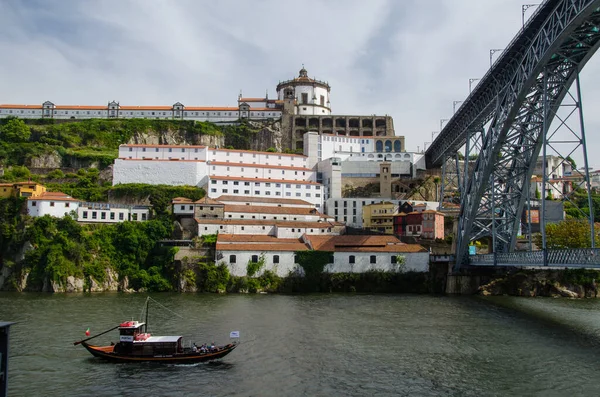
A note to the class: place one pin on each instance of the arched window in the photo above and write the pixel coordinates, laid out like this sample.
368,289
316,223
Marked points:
388,146
231,258
397,146
275,258
352,259
379,146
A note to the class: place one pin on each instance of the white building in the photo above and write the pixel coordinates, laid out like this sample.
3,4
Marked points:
359,254
267,188
350,254
160,172
59,204
311,96
111,213
114,110
220,171
55,204
279,254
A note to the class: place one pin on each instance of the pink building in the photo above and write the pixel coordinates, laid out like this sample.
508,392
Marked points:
433,225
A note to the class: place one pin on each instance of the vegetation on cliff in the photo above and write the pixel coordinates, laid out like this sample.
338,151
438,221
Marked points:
96,141
63,247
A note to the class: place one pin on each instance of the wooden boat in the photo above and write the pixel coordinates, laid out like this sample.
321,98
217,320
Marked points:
136,345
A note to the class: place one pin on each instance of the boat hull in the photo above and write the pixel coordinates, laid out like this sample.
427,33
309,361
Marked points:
108,353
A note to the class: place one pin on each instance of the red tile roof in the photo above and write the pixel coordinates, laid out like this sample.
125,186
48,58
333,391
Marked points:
53,196
10,106
134,145
279,167
250,179
209,201
283,201
265,209
252,100
232,238
290,247
254,151
349,243
260,222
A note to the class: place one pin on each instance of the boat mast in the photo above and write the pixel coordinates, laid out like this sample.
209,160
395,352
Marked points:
146,322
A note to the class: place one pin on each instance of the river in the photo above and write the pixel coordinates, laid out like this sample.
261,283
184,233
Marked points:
313,345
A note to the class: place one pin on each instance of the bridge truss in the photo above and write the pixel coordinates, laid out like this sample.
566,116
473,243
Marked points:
506,119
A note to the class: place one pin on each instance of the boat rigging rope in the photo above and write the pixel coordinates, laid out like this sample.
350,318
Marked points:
164,307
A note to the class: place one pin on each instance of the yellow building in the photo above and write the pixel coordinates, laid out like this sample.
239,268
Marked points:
21,189
379,217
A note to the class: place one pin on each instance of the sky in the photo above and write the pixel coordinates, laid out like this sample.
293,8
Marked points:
406,58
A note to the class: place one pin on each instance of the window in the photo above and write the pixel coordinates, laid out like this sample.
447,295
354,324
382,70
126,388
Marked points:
373,259
304,97
394,259
94,215
112,216
84,214
224,190
254,258
183,207
275,258
191,207
231,258
257,192
121,216
352,259
103,215
51,203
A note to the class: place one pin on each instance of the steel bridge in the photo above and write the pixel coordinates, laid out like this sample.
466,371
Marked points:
505,121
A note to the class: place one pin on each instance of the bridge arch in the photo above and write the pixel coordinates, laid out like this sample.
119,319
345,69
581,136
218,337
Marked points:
516,100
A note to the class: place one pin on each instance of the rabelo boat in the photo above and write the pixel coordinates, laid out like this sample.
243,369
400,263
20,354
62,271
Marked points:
136,345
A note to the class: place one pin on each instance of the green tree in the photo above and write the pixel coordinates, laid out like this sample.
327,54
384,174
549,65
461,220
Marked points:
570,233
436,181
15,130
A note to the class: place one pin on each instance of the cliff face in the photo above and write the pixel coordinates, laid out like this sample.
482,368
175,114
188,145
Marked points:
15,280
269,136
552,283
175,137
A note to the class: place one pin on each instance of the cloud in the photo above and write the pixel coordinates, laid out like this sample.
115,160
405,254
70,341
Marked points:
409,59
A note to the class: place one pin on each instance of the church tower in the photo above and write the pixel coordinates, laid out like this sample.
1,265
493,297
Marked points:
311,96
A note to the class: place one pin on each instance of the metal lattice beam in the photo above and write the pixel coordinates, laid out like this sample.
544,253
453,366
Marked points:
516,102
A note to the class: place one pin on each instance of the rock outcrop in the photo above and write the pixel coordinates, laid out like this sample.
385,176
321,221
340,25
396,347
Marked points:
46,160
176,137
551,283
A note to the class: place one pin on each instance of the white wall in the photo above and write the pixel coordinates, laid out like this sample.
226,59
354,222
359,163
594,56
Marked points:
239,268
161,152
311,192
418,262
261,171
227,228
249,157
54,208
174,173
183,208
97,215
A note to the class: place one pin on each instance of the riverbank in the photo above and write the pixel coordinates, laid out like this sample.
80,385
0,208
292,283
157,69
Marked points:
566,283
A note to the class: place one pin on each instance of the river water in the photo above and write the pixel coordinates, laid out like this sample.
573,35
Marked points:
314,345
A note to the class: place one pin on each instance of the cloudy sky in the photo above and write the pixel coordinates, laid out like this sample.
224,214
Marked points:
406,58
